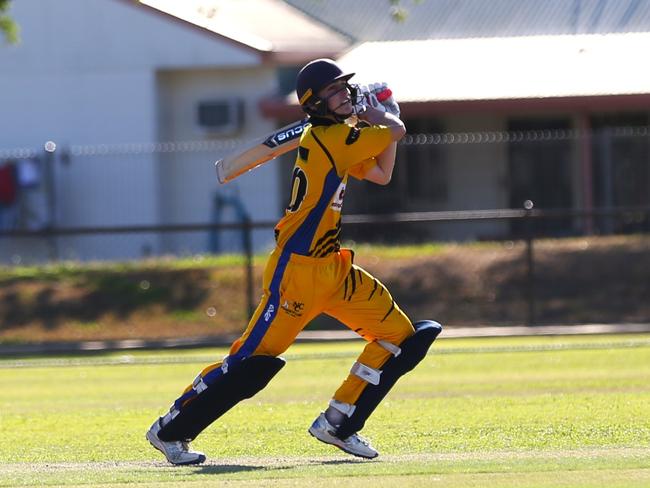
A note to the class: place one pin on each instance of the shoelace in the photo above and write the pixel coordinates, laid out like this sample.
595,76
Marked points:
179,446
361,440
353,437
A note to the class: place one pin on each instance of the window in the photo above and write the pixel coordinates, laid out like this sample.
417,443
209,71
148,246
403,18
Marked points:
419,181
621,159
540,170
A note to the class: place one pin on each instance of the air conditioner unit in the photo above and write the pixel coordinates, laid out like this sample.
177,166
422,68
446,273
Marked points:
221,117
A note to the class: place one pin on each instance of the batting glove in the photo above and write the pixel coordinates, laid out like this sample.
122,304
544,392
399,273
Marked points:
385,97
370,98
357,95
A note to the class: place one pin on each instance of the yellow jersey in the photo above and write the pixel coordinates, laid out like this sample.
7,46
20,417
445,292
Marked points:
327,154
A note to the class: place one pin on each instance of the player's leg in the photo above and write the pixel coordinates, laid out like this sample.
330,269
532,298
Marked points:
395,346
248,368
172,433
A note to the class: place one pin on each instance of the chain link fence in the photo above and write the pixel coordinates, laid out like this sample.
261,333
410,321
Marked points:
518,226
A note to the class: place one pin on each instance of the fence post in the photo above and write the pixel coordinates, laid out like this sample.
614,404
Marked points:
530,262
247,229
50,188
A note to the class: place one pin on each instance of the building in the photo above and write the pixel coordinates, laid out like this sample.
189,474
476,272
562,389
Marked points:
114,82
551,84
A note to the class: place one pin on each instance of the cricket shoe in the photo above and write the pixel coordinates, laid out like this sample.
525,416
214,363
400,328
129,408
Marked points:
176,452
356,445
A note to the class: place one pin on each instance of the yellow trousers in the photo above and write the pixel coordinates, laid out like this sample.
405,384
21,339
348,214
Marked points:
298,288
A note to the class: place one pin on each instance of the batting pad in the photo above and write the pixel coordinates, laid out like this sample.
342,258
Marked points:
242,381
413,350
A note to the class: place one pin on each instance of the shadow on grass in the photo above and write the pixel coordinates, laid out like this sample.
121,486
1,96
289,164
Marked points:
335,462
225,469
216,469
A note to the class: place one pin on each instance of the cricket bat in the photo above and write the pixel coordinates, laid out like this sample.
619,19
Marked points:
259,151
277,143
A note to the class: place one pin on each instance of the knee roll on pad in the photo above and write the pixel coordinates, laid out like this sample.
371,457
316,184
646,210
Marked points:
414,349
242,381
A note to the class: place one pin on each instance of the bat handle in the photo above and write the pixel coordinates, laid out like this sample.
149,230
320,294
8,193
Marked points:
384,95
218,166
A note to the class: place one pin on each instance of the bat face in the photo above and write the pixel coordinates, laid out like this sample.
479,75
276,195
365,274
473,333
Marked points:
260,151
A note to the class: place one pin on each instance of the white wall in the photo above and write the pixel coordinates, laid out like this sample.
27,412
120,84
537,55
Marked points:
188,180
62,36
85,73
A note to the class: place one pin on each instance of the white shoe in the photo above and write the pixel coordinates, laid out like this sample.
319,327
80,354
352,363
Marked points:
356,445
176,452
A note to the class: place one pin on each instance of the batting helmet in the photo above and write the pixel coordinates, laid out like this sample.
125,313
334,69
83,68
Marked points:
313,77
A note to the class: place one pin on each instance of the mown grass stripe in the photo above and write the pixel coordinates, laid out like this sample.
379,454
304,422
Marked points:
136,360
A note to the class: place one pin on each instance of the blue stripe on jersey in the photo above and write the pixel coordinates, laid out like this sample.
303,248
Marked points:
299,243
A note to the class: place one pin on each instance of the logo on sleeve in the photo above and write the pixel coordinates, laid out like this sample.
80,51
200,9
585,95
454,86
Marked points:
337,200
353,136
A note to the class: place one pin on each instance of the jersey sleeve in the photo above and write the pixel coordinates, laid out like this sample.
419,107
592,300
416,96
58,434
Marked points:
353,145
360,170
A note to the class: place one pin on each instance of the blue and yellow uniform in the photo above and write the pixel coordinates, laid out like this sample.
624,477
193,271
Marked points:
308,273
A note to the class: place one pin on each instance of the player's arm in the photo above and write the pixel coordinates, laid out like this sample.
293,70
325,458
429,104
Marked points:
379,117
382,172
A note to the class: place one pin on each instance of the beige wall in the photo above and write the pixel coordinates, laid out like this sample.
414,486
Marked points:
84,74
187,179
477,176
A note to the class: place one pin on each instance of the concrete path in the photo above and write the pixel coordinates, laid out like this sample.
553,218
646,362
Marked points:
314,335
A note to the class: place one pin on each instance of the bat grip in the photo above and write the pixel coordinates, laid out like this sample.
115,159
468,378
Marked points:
384,95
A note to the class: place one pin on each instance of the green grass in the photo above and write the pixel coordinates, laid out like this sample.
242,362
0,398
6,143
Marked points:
74,269
520,412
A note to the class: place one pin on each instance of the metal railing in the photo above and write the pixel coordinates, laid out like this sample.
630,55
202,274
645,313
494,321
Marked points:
528,215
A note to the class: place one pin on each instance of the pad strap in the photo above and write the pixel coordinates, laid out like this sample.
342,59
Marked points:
390,347
366,373
169,416
199,385
344,408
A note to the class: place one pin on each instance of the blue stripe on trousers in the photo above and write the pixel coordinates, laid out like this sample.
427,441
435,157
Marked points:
299,244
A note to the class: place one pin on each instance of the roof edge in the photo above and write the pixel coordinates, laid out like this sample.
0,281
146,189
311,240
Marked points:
279,108
261,47
160,13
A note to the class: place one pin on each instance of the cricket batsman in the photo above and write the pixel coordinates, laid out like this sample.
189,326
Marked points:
308,274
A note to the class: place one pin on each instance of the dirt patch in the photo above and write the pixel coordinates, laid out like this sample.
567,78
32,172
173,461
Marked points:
147,303
598,280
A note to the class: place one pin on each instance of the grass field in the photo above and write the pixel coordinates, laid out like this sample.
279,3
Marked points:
511,412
